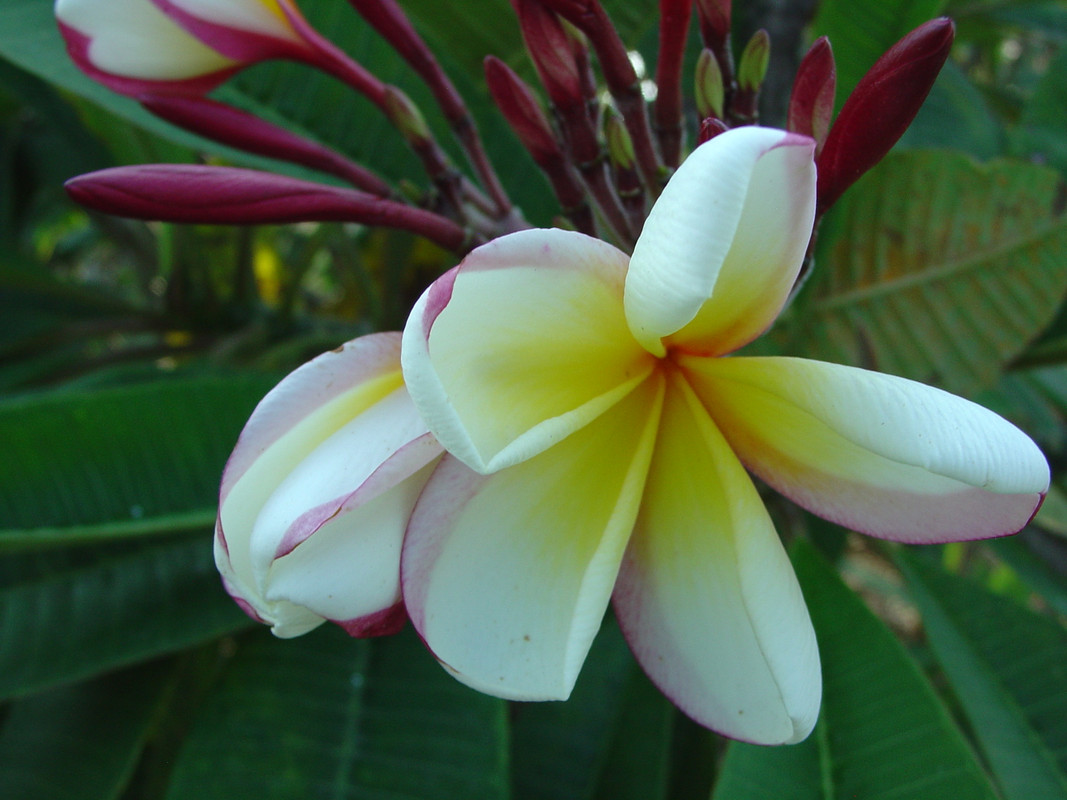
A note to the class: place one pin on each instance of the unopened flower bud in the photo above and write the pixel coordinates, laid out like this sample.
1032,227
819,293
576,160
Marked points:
620,145
709,129
710,91
811,105
552,51
407,118
881,107
754,61
714,21
521,109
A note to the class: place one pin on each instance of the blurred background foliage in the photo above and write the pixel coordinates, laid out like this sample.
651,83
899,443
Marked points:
132,353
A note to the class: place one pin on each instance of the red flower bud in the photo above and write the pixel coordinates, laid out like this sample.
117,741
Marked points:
811,106
714,22
522,111
227,196
552,52
882,106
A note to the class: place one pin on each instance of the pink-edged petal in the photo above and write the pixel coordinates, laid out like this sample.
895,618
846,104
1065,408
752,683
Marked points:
722,246
522,344
318,490
136,44
506,577
879,454
267,17
706,595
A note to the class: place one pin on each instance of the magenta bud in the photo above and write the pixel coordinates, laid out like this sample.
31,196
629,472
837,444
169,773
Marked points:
552,51
881,107
714,22
236,128
811,106
194,193
709,129
521,109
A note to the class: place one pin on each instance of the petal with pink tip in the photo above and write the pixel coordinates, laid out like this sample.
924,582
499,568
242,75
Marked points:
707,597
268,17
723,245
134,40
522,344
879,454
506,577
330,462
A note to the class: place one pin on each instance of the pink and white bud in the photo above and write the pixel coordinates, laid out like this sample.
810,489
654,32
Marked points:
178,46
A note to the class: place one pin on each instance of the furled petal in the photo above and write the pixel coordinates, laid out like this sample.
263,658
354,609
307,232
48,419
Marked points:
879,454
522,344
318,491
130,45
723,244
707,597
267,17
506,576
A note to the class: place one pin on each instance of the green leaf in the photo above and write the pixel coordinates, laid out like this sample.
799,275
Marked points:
1043,128
861,30
80,742
1034,557
883,733
559,749
1008,667
937,269
119,462
109,610
327,716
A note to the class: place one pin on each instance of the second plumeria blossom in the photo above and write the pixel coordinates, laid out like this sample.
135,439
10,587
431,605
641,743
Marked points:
597,440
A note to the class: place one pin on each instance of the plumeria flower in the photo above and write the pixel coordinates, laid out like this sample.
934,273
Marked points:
318,490
597,438
179,46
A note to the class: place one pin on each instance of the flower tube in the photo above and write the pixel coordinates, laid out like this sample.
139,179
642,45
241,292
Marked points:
597,438
317,493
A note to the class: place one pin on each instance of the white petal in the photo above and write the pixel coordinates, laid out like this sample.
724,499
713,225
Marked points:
522,344
266,17
506,577
334,449
133,38
707,597
724,241
882,455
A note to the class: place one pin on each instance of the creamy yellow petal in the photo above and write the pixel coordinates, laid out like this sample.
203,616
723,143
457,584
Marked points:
522,344
707,597
506,577
722,246
879,454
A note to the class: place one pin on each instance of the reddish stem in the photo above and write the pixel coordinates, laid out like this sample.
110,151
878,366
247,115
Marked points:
390,21
673,30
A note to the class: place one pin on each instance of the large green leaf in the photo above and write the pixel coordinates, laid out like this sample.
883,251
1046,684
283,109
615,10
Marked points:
1008,667
111,609
861,30
80,742
883,732
937,269
560,749
1043,128
331,717
121,461
1033,555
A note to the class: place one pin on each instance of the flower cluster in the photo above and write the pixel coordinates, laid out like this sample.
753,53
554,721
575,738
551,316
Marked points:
563,425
